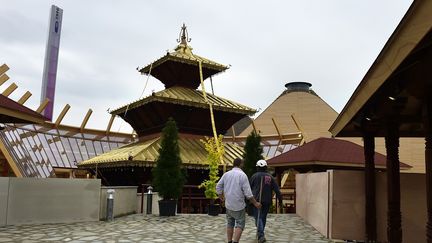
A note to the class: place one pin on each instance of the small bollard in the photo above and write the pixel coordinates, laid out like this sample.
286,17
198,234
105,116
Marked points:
149,199
110,205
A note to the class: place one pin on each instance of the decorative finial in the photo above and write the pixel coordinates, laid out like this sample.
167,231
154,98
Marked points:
183,36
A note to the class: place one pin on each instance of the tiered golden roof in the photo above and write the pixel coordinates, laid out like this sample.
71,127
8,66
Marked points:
188,97
179,71
180,67
144,153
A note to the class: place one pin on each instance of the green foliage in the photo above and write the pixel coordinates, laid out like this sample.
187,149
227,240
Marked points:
168,177
215,152
252,153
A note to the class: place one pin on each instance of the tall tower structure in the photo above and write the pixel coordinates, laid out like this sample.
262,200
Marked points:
51,60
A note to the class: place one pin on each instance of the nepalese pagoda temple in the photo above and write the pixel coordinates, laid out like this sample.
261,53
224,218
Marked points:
185,103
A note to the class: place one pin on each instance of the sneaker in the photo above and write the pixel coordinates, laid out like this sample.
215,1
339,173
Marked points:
262,239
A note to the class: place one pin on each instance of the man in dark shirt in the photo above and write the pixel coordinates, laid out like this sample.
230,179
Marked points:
262,184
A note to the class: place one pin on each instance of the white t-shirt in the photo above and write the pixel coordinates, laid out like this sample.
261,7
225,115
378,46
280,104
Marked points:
234,184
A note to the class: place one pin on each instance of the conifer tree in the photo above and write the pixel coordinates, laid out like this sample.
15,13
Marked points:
168,177
252,153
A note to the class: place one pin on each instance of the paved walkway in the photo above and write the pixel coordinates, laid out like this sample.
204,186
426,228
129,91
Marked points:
182,228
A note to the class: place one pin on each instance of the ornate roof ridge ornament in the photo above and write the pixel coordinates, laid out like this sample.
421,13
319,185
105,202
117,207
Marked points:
183,47
180,67
183,36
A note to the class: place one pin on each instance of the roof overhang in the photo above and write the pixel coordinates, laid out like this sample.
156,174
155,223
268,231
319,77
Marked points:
331,163
187,107
396,82
13,112
144,154
181,67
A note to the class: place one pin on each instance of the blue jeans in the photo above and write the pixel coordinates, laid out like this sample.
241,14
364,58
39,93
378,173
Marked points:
261,221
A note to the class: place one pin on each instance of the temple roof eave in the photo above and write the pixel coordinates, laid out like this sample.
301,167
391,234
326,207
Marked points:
145,153
183,58
187,97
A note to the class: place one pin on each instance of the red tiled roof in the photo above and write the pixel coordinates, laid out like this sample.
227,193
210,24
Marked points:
328,150
10,105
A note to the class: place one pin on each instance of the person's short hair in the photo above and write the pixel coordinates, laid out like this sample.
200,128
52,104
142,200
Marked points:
237,162
261,169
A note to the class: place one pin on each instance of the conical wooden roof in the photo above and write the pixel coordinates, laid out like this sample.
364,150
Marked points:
313,115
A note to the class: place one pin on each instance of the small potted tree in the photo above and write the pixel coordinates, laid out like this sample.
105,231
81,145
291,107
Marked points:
215,151
252,153
168,177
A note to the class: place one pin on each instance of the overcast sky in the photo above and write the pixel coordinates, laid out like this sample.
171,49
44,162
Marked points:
330,44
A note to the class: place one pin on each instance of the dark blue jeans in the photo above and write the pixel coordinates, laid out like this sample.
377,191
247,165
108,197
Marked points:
260,222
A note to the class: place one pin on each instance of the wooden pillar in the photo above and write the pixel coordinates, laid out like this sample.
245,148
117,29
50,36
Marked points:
394,230
278,172
428,164
370,219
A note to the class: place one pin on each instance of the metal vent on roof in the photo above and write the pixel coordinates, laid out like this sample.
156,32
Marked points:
298,86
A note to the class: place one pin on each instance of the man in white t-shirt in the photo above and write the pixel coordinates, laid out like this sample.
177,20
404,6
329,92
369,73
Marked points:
232,188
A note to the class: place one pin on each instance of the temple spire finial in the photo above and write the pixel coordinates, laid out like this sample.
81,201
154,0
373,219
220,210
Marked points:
183,36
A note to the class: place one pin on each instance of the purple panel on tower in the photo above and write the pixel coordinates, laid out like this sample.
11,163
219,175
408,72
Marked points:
51,60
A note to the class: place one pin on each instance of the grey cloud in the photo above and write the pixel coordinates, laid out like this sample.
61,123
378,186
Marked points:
328,43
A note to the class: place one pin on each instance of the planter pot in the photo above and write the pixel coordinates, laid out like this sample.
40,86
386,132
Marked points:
213,209
167,207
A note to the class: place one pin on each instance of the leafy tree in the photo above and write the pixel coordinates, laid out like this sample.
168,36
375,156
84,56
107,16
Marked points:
252,153
213,158
168,177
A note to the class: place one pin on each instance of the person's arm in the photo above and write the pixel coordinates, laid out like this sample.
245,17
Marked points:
276,190
255,202
252,183
248,192
220,188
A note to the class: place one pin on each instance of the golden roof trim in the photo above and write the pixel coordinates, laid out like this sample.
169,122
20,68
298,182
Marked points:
183,58
145,153
188,97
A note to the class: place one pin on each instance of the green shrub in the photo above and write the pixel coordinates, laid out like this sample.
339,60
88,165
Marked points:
168,177
214,158
252,153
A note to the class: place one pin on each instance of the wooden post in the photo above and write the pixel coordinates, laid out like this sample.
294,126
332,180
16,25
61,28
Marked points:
190,200
428,164
278,172
370,219
394,230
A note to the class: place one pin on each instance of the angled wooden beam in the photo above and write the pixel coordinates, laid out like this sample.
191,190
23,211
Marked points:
277,128
299,128
10,89
280,136
62,115
85,120
24,98
254,127
42,106
3,69
3,78
110,124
